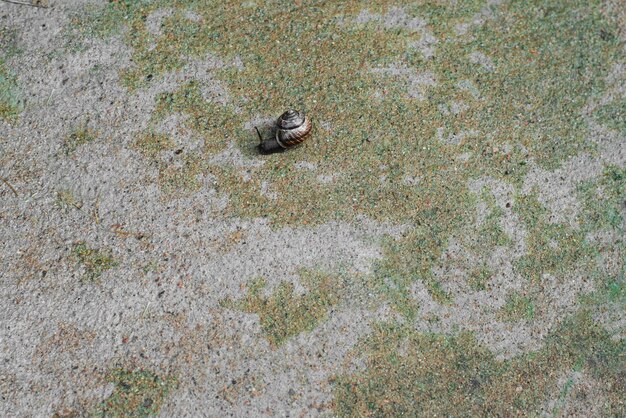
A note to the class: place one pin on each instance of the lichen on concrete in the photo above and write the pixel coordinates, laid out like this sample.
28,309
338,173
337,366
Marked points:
284,314
94,261
79,136
415,373
137,393
10,98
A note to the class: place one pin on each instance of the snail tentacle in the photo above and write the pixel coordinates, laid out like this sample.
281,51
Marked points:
259,133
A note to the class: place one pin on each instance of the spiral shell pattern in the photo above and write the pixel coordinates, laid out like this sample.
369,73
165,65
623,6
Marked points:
292,127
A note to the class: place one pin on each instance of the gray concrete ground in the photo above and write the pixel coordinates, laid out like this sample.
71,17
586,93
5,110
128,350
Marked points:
128,268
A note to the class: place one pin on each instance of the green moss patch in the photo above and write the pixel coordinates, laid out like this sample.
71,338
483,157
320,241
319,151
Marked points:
613,115
66,200
176,177
479,278
11,103
285,314
552,248
518,307
603,200
94,261
415,374
108,20
547,61
556,248
137,393
180,178
79,136
151,144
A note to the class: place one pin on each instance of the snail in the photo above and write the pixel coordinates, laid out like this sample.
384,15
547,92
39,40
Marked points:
292,127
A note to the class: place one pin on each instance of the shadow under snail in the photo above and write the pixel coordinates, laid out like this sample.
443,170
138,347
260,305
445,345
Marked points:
292,128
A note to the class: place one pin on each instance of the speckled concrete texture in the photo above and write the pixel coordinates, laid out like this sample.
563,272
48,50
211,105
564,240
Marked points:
455,220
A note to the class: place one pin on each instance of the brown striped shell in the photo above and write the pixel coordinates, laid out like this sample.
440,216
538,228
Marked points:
292,127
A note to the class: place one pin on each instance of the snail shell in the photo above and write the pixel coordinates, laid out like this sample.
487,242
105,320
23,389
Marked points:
292,127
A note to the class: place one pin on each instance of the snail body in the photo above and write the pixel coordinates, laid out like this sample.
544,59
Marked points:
292,128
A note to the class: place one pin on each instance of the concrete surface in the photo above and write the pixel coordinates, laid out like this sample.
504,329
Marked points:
449,240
